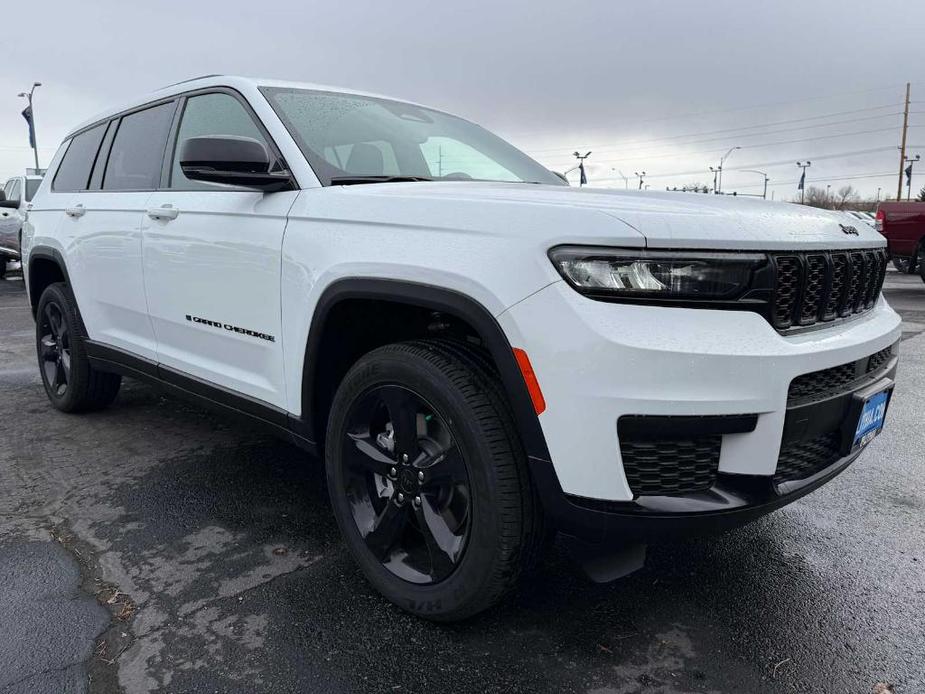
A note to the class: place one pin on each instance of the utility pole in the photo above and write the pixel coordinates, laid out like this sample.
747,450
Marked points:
879,188
764,195
908,173
583,179
802,186
641,175
715,173
29,115
902,147
626,181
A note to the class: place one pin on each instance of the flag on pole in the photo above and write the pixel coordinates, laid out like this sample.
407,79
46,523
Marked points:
584,179
802,180
909,174
27,114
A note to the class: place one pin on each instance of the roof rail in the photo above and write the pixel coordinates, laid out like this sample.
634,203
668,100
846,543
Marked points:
191,79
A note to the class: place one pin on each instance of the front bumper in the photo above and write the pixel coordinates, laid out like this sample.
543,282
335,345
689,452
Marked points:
599,362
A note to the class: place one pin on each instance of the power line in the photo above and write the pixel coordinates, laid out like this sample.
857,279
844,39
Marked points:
754,106
752,127
771,164
762,145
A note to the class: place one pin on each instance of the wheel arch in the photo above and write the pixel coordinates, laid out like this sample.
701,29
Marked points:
446,302
46,266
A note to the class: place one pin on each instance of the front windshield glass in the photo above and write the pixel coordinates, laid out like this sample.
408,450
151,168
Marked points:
348,138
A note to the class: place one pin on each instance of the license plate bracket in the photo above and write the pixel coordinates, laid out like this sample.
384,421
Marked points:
867,415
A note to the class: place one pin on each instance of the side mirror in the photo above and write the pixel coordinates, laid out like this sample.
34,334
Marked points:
236,161
11,204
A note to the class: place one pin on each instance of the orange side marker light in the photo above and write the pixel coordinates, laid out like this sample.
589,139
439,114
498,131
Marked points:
533,385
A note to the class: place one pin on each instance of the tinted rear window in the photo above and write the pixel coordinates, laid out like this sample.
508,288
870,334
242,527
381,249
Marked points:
74,171
138,150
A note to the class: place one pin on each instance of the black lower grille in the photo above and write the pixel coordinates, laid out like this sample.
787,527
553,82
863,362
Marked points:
876,361
661,468
821,286
837,379
801,459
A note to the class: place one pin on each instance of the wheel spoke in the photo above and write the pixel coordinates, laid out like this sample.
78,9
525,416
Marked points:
446,469
366,455
442,544
54,319
66,365
49,349
403,413
60,377
387,529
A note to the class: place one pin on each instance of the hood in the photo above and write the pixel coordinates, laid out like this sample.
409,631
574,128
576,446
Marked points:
664,219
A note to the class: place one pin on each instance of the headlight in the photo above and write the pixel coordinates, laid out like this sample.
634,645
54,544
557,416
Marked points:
665,275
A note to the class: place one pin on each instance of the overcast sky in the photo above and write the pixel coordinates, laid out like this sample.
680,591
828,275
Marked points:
661,86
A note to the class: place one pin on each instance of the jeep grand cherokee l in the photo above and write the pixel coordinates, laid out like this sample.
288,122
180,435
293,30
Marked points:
479,352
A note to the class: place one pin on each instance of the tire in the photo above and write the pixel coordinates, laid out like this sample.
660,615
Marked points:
465,448
921,262
71,384
902,265
3,262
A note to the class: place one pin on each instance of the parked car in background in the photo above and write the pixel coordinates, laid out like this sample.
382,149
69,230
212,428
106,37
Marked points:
903,225
17,193
479,352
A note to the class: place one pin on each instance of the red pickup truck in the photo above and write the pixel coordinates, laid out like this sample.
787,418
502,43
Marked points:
903,225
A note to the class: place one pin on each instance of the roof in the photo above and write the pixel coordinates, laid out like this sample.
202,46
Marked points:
241,83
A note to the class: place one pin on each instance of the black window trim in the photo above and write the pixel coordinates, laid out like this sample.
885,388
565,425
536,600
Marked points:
113,121
171,150
102,189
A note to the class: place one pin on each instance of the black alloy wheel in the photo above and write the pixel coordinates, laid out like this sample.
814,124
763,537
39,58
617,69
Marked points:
428,479
406,483
55,348
71,383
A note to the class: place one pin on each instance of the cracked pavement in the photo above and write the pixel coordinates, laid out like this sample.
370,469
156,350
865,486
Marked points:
157,547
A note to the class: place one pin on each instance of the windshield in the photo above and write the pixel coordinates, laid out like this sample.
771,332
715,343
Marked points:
32,185
353,139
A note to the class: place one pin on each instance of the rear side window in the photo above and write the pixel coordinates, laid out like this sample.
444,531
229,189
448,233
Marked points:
138,150
74,170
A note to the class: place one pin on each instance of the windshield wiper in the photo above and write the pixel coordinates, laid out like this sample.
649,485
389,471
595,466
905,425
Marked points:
357,180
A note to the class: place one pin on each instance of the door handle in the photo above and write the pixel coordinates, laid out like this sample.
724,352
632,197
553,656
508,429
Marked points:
76,211
165,212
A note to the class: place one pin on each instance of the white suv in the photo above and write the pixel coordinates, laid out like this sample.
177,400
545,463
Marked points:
481,353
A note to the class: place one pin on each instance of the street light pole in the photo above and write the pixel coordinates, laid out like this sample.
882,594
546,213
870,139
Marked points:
764,195
723,161
35,143
715,173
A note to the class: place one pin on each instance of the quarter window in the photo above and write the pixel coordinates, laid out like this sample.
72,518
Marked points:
138,150
74,170
211,114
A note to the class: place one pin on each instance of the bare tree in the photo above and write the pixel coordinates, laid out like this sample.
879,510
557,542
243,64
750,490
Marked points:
845,195
815,197
921,197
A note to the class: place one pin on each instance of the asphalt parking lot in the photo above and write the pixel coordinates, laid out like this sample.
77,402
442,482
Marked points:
156,547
